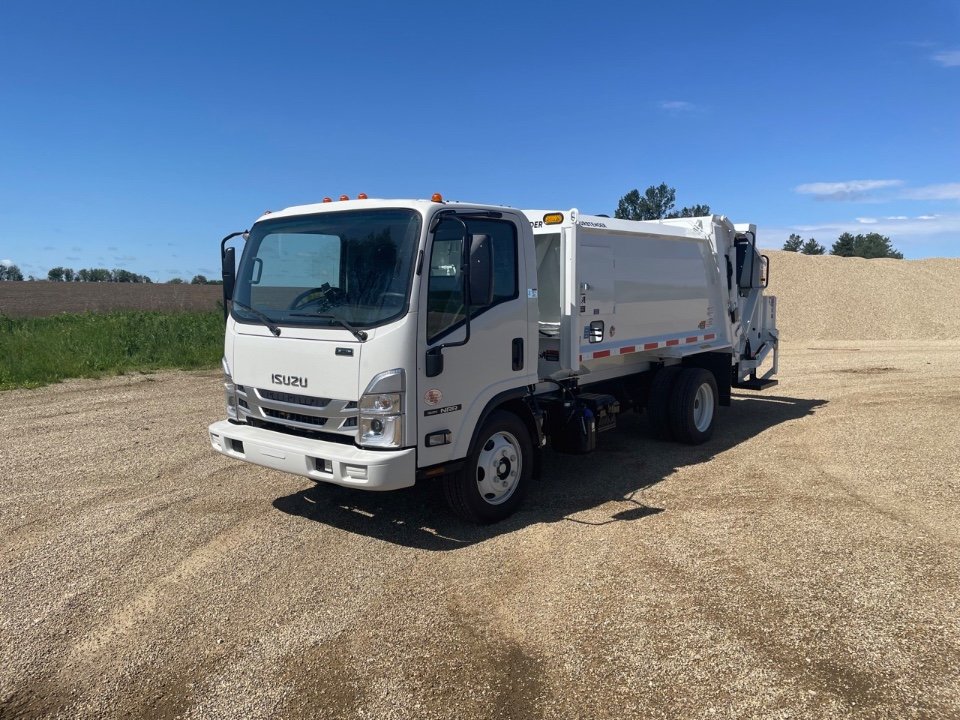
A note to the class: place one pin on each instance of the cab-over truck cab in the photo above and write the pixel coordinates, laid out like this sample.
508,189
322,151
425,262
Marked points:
371,342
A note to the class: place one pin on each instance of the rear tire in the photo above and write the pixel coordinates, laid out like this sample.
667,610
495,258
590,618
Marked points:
693,406
494,480
658,402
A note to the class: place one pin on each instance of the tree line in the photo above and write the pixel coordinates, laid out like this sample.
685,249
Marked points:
97,275
658,202
871,245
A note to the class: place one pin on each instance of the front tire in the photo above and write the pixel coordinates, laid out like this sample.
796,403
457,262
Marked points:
494,480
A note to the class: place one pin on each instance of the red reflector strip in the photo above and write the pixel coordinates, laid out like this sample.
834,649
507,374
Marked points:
671,343
601,354
628,349
691,339
651,346
711,336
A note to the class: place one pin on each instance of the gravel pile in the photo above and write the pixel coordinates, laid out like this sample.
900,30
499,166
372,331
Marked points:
803,563
823,297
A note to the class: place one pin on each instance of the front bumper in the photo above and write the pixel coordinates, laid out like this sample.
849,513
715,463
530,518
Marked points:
348,466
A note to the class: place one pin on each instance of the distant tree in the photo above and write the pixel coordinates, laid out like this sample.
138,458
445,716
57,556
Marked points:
812,247
692,211
10,272
61,274
843,246
794,243
175,281
872,245
199,280
99,275
655,203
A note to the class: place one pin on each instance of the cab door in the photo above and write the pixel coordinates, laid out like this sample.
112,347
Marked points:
494,357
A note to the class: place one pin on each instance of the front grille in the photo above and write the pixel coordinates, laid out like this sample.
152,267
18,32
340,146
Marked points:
294,399
299,414
294,417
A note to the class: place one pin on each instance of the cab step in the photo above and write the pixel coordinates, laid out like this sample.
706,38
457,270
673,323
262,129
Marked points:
755,384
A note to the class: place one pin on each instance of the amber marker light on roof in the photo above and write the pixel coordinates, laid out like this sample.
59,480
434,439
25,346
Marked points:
362,196
437,197
553,218
344,197
328,199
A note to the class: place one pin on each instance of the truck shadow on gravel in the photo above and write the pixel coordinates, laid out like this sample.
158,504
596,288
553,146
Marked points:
572,488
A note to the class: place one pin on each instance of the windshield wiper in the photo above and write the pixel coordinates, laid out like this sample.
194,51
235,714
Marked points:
266,320
361,335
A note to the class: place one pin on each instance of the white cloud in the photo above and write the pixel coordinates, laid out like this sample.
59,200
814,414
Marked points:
922,226
944,191
947,58
676,105
7,261
896,217
846,190
866,221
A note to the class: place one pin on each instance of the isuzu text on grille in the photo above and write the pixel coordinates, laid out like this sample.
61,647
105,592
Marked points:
291,380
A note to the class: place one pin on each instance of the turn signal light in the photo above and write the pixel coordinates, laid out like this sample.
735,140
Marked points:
437,197
553,218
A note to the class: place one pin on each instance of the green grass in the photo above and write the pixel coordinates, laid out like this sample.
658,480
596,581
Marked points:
40,351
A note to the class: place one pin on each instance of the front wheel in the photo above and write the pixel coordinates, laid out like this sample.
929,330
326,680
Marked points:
494,480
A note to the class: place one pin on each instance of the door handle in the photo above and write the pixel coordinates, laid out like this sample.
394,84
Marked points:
518,353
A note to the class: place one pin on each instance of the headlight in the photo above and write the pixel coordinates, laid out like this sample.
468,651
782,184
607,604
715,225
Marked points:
386,431
382,404
381,411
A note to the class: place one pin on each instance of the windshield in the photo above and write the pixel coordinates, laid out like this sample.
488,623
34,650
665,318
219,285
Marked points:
352,266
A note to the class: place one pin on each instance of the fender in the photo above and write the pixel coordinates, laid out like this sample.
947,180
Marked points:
522,403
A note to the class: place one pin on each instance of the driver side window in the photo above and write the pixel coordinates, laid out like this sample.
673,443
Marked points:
445,286
445,307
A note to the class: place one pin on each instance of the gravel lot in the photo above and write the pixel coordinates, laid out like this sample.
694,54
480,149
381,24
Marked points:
803,563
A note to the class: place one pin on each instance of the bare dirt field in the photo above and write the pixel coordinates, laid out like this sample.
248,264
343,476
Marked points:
803,563
42,298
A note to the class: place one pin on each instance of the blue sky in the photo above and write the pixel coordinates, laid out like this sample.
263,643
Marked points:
135,135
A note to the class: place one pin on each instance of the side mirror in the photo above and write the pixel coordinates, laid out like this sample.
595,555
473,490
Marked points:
748,267
229,272
481,270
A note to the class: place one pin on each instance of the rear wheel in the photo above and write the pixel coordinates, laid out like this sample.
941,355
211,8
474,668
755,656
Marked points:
494,480
658,402
693,406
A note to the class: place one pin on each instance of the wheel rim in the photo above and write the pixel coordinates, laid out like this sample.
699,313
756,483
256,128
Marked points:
703,407
498,468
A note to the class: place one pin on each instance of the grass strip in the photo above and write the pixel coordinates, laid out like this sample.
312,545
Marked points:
44,350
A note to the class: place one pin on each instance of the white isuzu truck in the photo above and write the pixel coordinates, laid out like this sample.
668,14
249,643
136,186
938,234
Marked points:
376,343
